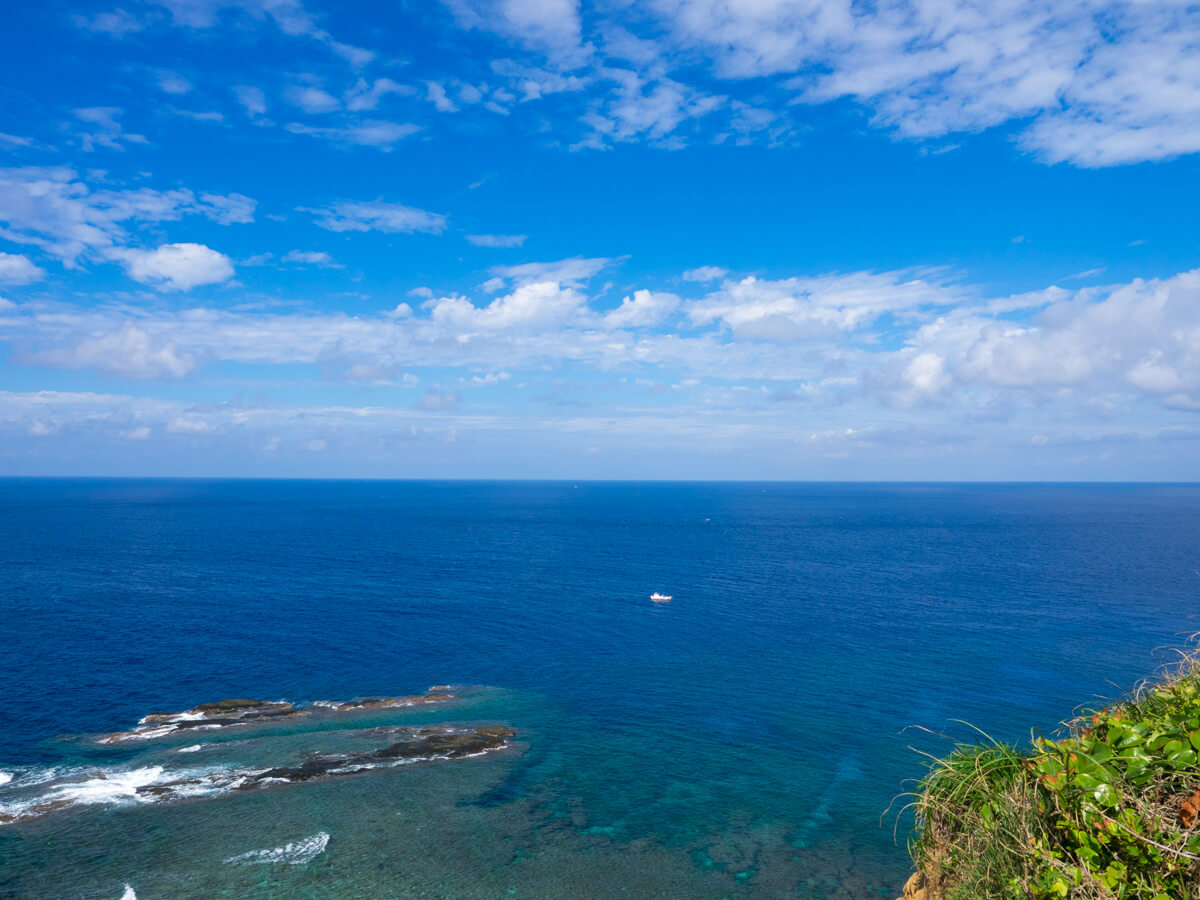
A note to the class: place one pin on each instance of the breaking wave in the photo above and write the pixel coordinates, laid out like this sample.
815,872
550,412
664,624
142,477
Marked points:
296,853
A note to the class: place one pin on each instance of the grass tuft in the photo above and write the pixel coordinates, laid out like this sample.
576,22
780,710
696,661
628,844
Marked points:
1111,811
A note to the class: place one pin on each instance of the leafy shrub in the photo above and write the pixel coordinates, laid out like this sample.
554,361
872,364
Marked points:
1112,810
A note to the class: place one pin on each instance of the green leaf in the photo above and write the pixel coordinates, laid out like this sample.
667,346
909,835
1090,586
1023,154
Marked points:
1183,759
1107,795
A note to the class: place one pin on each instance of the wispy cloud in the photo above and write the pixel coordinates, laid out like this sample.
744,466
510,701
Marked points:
348,215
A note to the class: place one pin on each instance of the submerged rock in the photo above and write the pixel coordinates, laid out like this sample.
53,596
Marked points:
439,693
428,743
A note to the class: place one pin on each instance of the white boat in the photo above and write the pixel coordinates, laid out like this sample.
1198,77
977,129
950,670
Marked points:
660,598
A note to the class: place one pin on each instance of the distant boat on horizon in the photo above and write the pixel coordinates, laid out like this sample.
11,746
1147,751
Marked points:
660,598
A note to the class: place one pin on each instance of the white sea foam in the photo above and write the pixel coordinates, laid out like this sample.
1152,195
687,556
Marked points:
128,894
192,748
87,787
108,787
5,777
295,853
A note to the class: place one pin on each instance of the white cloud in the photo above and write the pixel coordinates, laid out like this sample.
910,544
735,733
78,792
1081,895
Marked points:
437,400
252,99
384,135
130,352
190,424
312,258
53,209
437,96
534,83
571,271
1144,335
311,99
643,309
107,131
853,341
17,269
1104,82
644,106
366,95
172,82
794,308
536,306
177,267
289,16
705,273
1091,82
550,26
116,23
497,240
377,216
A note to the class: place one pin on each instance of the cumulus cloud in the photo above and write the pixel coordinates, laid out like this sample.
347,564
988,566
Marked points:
643,309
393,218
176,267
793,308
1144,335
705,273
531,307
129,351
17,269
916,341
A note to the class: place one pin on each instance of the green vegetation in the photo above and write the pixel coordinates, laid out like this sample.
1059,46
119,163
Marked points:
1112,810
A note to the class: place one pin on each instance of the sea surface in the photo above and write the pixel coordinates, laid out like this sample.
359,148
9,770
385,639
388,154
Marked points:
752,738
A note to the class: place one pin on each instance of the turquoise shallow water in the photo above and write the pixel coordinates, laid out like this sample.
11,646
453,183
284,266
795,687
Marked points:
744,740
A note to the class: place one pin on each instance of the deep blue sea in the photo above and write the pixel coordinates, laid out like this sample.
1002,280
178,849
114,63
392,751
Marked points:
744,740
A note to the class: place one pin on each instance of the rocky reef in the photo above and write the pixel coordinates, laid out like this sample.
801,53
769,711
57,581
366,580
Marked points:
427,743
228,713
161,783
439,693
221,714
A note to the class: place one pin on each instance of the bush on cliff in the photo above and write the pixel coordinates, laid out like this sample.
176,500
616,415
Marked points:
1112,810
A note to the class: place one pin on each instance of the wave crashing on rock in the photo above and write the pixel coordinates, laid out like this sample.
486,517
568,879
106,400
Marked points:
323,745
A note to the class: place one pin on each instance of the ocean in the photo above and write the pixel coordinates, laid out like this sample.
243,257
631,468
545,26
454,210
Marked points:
754,737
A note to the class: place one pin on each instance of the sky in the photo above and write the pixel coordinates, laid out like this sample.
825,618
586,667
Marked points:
693,239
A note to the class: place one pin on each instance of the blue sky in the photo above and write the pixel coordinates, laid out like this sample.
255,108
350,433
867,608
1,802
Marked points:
677,239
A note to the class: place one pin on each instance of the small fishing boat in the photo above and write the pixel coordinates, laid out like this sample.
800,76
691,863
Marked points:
660,598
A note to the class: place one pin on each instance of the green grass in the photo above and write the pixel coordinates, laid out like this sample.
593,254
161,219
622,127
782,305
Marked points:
1096,814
